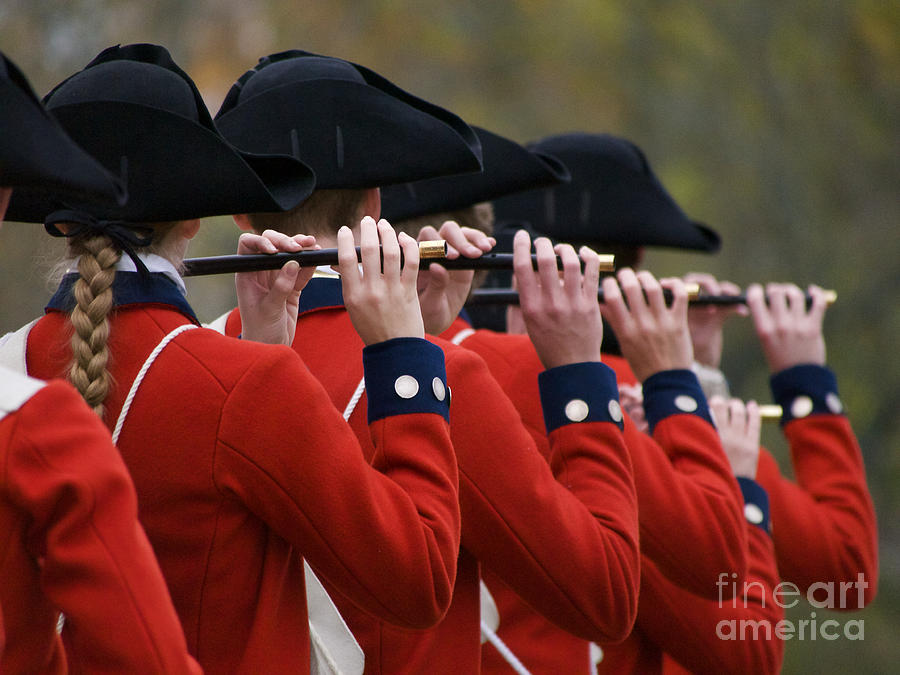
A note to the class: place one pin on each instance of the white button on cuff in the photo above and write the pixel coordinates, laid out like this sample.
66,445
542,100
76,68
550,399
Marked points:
834,403
801,406
576,410
615,411
437,386
753,513
406,386
686,403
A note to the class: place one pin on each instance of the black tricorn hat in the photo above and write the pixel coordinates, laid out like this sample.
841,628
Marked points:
36,154
614,198
138,113
352,126
508,168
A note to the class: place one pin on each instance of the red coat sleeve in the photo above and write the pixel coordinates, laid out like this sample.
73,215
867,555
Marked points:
823,525
737,635
98,567
388,540
565,539
689,501
692,526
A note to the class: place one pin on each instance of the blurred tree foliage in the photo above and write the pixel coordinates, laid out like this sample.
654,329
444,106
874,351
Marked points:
776,122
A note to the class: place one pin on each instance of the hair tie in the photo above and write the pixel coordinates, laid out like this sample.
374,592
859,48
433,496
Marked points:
123,234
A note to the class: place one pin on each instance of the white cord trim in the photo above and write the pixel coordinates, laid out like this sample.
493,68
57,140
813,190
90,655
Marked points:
321,650
354,400
462,335
140,376
595,652
505,651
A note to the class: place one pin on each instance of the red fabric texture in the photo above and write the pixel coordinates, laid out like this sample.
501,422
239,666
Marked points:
823,524
688,498
71,542
569,545
824,530
687,628
242,465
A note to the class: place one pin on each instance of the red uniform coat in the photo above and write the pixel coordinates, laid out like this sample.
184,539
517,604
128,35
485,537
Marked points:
70,541
824,530
823,525
736,635
688,497
242,465
568,545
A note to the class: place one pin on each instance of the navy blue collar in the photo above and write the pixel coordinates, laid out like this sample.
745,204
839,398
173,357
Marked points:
321,293
326,293
129,288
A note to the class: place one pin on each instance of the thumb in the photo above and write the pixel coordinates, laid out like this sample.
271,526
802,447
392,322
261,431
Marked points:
283,286
438,278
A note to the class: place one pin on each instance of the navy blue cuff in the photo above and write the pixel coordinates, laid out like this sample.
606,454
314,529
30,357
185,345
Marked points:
805,390
579,392
404,376
673,392
756,503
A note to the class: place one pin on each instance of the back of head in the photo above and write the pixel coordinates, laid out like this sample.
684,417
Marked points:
477,216
142,117
98,254
322,214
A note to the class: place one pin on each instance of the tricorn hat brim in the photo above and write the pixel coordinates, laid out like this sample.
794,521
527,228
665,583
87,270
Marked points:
508,168
354,133
175,167
613,199
36,154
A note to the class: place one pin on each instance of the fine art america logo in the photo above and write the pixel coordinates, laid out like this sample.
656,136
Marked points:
820,595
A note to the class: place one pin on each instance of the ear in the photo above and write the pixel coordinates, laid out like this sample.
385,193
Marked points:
242,220
372,204
190,228
639,256
5,194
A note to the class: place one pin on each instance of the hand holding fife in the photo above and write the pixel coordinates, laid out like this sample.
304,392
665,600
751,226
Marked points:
790,334
562,315
268,300
706,321
739,430
382,304
653,337
442,293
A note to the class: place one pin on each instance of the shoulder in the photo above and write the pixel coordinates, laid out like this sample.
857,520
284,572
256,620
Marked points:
16,389
208,353
57,425
456,357
511,348
511,358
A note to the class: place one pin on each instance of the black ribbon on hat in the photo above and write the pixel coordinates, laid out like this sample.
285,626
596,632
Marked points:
125,235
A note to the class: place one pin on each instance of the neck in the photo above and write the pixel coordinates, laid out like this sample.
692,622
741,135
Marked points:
327,240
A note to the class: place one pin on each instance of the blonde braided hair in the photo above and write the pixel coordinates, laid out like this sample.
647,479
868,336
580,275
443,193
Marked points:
90,318
98,256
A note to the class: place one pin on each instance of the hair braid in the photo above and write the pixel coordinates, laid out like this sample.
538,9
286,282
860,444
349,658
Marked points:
93,303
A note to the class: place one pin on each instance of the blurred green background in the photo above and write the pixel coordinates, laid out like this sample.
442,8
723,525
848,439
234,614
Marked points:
777,122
